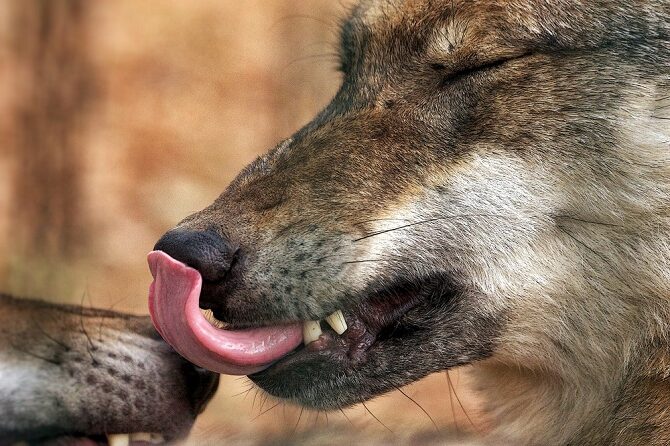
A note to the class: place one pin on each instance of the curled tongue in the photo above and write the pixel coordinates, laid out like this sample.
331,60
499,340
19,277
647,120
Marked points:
173,304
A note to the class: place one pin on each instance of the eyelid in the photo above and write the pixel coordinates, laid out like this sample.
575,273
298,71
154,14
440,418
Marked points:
459,72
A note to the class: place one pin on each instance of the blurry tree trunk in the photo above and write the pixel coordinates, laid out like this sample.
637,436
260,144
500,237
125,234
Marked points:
55,91
308,48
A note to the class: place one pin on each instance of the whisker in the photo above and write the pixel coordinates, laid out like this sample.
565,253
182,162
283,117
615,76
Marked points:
375,417
90,345
266,411
569,217
430,220
396,228
420,407
345,416
298,422
253,403
367,261
380,219
460,403
449,217
451,401
327,257
63,345
245,392
35,355
264,399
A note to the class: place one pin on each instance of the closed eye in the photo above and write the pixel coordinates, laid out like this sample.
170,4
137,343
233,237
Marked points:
453,76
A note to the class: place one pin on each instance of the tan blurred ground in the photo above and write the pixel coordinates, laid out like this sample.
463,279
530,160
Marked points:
177,97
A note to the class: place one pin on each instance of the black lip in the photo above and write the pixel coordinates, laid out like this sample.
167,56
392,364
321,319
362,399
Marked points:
382,315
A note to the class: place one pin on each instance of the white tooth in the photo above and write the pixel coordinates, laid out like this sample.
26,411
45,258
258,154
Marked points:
118,439
147,437
209,315
157,439
311,330
337,322
141,436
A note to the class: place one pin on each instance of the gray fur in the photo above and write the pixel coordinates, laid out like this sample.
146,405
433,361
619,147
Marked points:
67,371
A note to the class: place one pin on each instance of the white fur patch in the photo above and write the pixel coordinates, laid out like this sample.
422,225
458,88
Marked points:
17,377
448,38
489,214
372,12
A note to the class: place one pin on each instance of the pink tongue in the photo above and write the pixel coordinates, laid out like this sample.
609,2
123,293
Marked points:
173,304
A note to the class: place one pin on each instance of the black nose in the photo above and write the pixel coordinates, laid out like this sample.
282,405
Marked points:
207,251
201,384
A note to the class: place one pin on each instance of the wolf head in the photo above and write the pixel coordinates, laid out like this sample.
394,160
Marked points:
492,180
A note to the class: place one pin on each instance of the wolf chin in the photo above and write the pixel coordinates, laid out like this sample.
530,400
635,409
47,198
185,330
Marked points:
489,186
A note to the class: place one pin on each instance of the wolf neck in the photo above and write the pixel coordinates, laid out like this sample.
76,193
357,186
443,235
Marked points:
628,407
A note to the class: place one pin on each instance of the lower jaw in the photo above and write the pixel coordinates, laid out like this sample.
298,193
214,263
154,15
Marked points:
316,379
331,365
302,373
315,394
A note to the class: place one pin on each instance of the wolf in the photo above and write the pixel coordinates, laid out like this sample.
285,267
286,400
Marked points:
489,186
72,375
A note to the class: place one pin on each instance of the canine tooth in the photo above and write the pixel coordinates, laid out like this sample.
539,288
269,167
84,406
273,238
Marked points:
311,330
118,439
337,322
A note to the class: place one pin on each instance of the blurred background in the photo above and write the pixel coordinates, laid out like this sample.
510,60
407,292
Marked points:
118,119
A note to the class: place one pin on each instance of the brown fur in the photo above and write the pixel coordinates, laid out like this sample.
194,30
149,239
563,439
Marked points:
506,161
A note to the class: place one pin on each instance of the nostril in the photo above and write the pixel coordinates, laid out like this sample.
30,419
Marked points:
207,251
